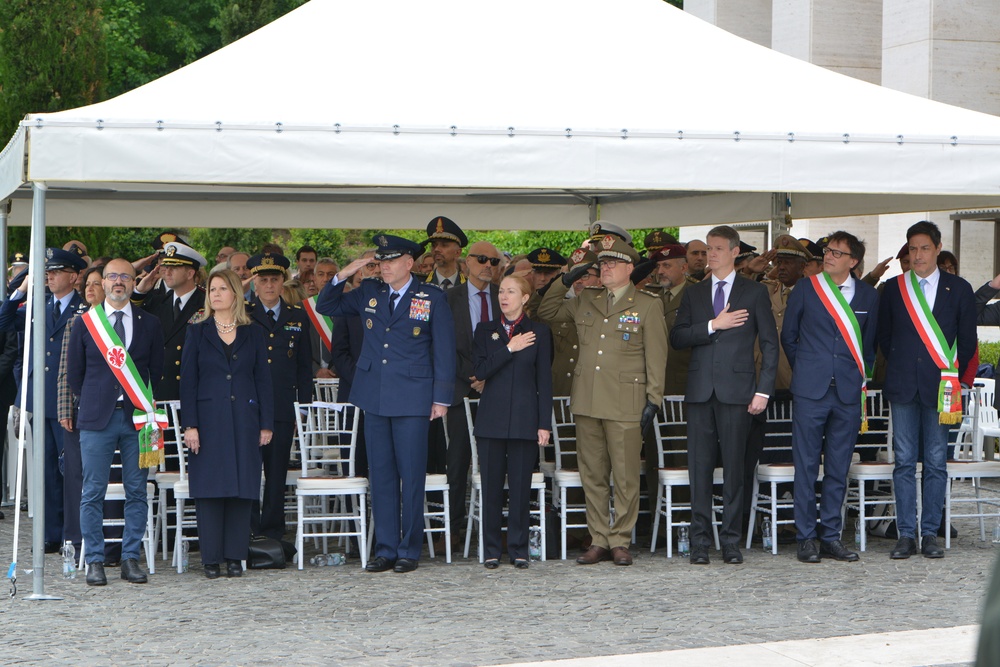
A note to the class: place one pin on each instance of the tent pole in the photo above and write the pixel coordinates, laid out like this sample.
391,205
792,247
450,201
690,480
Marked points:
781,217
38,416
4,211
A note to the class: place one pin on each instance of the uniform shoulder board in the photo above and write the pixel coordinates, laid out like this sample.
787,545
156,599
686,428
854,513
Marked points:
198,317
649,293
691,280
82,307
295,306
375,278
426,285
768,281
597,287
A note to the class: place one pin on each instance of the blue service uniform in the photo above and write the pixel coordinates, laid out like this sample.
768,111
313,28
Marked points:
407,363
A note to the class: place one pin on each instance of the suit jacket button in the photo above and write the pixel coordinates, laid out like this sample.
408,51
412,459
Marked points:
272,335
46,369
269,347
178,377
602,336
385,361
600,352
605,320
177,363
232,398
386,345
178,348
48,354
598,368
572,360
229,377
268,361
574,347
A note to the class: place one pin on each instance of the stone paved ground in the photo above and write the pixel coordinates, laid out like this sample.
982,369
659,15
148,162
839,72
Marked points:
461,614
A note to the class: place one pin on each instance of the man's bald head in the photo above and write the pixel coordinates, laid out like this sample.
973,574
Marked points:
481,271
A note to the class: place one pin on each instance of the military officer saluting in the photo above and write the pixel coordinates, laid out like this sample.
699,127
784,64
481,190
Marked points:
617,389
404,378
287,335
181,303
565,343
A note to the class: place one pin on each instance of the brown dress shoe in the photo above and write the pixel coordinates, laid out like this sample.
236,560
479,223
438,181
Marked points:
621,556
594,554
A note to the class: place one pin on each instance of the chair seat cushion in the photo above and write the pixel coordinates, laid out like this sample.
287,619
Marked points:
167,479
331,483
438,482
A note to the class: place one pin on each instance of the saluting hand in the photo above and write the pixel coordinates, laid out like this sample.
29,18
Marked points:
352,268
729,319
191,440
521,341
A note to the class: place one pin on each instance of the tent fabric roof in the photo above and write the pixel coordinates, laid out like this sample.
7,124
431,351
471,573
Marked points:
506,109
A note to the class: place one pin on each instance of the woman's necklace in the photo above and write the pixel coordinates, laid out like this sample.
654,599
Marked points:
225,328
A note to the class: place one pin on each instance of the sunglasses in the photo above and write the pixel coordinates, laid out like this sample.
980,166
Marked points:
483,259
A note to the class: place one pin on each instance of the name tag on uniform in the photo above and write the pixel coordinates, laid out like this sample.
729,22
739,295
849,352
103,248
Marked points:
292,327
420,309
369,310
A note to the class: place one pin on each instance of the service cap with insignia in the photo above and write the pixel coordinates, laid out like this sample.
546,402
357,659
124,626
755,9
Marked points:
614,247
446,229
669,251
655,241
747,251
602,228
179,254
813,250
388,246
641,271
268,263
18,258
76,247
166,237
583,256
57,259
546,258
788,246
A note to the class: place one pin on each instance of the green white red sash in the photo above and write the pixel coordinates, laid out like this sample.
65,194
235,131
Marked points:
945,356
321,323
847,323
147,419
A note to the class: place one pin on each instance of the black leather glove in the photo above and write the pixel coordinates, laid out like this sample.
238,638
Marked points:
17,281
575,274
648,415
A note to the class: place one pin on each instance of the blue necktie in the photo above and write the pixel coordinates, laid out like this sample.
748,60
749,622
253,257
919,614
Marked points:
392,302
720,297
120,326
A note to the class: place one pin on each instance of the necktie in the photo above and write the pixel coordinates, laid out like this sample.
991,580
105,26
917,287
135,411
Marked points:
392,302
484,308
119,326
720,297
56,310
445,284
271,314
177,309
923,285
611,299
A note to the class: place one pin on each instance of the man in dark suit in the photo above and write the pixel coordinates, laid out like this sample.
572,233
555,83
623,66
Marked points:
831,359
471,302
921,380
287,333
404,376
720,319
106,417
173,307
62,271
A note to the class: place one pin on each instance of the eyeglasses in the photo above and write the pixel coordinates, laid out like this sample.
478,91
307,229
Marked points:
607,263
371,266
837,254
483,259
115,277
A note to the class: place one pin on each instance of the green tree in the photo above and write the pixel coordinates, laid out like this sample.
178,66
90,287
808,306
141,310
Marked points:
238,19
209,241
328,243
52,57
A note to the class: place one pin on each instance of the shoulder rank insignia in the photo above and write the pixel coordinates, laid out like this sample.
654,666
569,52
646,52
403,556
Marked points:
198,317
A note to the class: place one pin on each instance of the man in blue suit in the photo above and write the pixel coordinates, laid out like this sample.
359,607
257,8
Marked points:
831,358
921,380
62,271
404,378
105,420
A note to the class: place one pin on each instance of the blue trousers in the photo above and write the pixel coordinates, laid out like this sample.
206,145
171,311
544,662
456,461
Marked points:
911,422
397,465
97,449
823,426
53,479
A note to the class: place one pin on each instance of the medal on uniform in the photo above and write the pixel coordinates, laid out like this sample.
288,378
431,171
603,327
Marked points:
416,331
372,303
495,336
291,353
368,323
420,309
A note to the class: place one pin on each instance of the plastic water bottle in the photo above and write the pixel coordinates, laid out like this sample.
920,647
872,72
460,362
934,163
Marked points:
69,560
683,543
996,533
765,530
319,560
535,543
857,533
335,559
185,555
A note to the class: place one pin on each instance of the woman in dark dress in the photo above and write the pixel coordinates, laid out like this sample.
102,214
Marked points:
514,357
227,409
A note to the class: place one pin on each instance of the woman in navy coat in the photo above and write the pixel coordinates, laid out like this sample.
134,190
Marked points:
227,409
514,357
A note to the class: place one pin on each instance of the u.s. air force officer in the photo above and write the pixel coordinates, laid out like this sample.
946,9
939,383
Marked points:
404,378
830,359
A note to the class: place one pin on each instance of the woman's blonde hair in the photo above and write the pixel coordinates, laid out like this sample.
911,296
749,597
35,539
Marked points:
238,309
293,292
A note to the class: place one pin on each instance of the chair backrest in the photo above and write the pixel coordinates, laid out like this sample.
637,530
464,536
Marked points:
564,434
778,430
471,404
328,437
172,436
671,434
325,389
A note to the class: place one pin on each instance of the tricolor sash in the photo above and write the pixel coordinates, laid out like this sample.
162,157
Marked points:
847,323
147,419
322,323
944,355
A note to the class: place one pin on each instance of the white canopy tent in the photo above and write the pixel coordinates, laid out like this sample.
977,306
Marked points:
514,114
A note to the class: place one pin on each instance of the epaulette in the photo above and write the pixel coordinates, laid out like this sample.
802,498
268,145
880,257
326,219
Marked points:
692,280
295,306
437,287
648,293
599,287
82,307
198,317
375,278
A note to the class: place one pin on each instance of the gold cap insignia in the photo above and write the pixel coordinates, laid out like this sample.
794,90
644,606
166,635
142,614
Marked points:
543,255
267,261
18,256
608,242
440,226
167,237
171,250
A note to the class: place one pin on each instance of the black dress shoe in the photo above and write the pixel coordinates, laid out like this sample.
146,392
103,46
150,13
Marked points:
212,571
835,549
132,573
405,565
699,556
95,575
379,564
731,554
905,547
491,563
52,547
930,549
520,563
808,552
234,568
952,530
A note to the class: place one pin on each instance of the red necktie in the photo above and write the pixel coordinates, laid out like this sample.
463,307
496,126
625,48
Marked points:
484,308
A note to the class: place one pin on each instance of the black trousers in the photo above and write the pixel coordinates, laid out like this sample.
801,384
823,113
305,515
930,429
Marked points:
716,429
271,520
459,460
72,486
513,460
223,528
